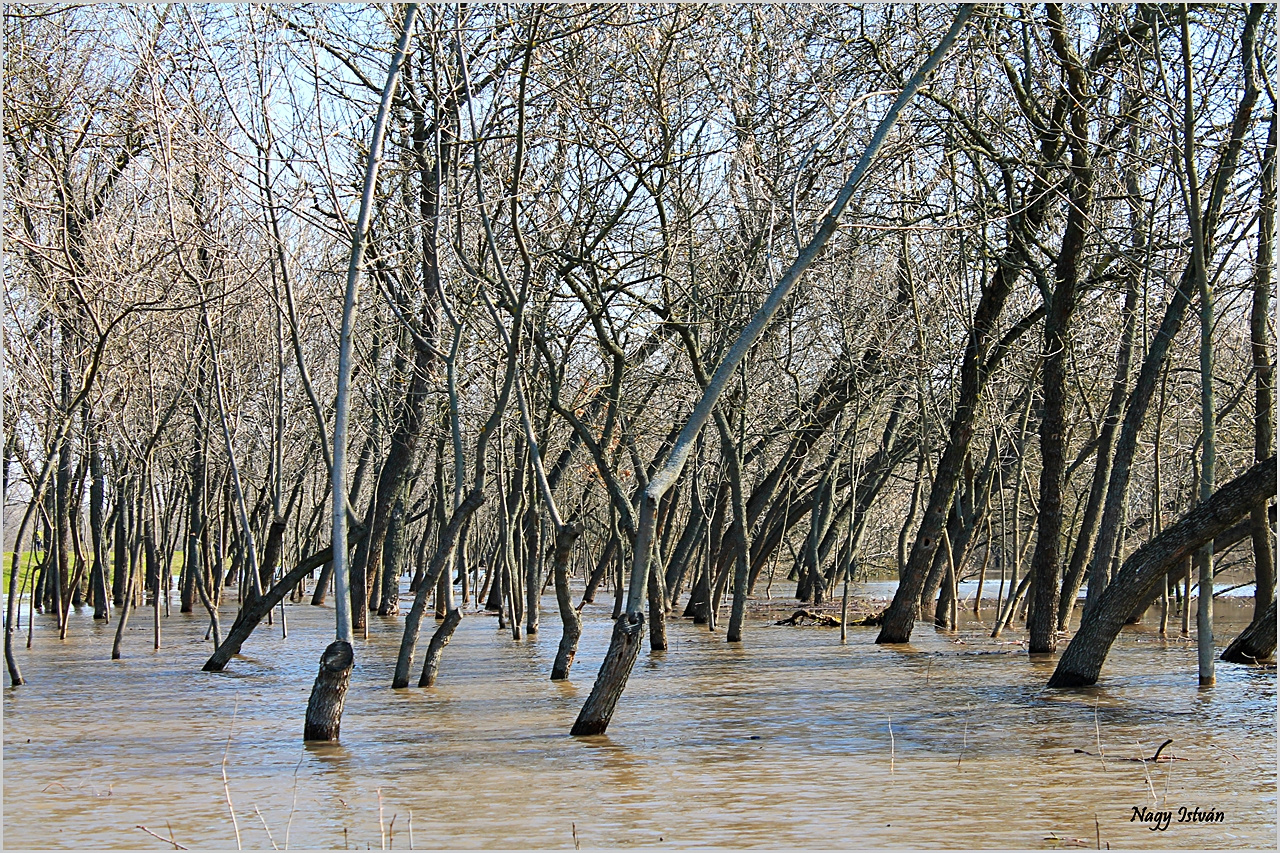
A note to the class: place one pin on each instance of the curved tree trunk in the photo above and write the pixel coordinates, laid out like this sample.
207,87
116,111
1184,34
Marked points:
569,618
1082,661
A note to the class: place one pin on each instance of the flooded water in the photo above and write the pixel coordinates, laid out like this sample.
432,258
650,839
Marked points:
789,740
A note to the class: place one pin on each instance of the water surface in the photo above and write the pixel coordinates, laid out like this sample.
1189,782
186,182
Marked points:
788,740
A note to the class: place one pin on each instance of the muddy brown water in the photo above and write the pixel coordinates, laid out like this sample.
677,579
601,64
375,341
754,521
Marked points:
787,740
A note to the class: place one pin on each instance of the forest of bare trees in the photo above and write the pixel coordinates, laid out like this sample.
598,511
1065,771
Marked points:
654,308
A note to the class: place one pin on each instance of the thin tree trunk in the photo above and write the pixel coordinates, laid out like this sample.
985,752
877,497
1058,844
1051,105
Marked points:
329,691
625,644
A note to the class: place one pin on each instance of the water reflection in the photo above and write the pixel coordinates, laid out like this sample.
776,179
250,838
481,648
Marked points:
788,739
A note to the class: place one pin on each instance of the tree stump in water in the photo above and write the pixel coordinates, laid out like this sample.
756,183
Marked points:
624,648
324,710
1257,642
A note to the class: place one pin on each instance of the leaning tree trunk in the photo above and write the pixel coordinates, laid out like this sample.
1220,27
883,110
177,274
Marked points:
1257,642
1082,661
255,611
625,644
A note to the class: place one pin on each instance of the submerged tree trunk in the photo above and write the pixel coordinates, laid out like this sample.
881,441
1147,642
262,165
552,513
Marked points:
1046,561
570,621
1082,661
1257,642
329,693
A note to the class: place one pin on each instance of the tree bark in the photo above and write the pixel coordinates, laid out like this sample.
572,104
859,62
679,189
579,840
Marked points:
329,693
624,648
1257,642
1082,661
569,618
435,648
1046,562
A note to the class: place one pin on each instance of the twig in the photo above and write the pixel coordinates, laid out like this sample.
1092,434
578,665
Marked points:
264,826
391,832
1227,751
1097,734
891,750
226,786
573,827
410,829
176,845
289,826
964,743
382,830
1097,832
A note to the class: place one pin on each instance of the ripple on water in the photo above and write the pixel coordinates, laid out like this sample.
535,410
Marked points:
790,740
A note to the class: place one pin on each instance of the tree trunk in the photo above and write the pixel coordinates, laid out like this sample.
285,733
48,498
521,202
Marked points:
624,648
435,648
1082,661
97,493
393,561
569,618
1264,430
254,611
329,693
1257,642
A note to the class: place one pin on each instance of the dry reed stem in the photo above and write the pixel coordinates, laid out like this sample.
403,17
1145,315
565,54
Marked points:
382,829
226,786
1097,734
176,845
264,826
1147,775
891,746
294,806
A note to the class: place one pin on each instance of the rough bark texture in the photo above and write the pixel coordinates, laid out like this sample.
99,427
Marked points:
1082,661
566,537
254,611
393,561
624,648
324,709
1257,642
435,648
